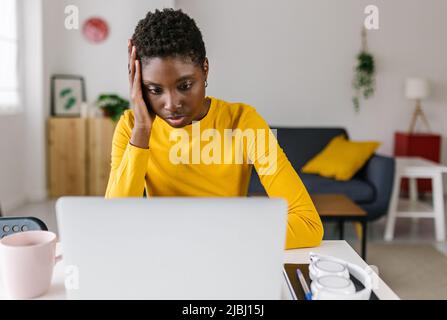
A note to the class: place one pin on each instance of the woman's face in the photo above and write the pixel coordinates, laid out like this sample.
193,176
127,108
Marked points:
175,89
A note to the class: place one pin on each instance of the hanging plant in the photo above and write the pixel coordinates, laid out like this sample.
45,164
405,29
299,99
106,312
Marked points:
364,82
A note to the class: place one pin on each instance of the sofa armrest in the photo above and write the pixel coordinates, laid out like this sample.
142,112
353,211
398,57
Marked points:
379,172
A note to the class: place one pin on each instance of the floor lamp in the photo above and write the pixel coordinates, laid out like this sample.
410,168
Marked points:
417,89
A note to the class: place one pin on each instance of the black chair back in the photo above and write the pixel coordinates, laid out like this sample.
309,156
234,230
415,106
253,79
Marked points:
11,225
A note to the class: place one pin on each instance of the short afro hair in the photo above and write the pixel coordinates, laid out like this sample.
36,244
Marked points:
169,33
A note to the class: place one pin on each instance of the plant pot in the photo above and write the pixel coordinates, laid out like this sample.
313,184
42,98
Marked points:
106,113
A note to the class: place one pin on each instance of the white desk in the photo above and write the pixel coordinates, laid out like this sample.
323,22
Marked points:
338,248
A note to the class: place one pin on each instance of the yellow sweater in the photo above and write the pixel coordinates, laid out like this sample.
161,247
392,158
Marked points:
201,159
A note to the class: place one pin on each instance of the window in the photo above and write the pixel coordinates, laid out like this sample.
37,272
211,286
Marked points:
9,92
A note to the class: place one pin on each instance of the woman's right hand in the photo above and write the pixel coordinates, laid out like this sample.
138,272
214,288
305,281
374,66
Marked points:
143,117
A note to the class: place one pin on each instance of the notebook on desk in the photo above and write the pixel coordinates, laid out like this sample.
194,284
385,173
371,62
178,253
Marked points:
294,285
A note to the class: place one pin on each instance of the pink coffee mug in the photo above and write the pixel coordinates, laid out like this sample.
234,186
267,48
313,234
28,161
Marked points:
27,261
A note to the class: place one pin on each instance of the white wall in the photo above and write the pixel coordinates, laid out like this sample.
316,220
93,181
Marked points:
293,60
12,146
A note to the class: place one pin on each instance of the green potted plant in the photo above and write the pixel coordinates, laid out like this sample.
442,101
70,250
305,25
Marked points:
112,105
364,82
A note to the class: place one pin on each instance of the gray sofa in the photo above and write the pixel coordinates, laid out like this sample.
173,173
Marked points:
370,187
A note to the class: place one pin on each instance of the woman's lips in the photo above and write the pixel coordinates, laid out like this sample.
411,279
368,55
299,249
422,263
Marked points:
176,120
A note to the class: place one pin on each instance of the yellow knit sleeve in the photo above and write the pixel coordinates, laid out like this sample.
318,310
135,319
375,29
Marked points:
279,178
128,163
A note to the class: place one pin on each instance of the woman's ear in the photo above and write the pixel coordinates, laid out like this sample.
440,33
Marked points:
205,67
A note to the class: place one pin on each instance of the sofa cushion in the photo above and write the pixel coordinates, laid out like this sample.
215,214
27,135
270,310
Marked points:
356,189
341,159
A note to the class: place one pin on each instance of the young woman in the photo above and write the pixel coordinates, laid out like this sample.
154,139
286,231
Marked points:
176,141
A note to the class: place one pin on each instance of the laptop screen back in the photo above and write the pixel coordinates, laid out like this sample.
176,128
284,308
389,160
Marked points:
173,248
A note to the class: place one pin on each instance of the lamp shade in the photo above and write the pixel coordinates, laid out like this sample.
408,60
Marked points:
417,88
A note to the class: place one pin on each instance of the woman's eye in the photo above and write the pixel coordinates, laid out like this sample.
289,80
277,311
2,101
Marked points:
185,86
154,90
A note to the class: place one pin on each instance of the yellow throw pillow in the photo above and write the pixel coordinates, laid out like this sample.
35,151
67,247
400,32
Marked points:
341,159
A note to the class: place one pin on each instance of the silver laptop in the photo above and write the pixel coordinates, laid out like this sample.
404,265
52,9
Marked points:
173,248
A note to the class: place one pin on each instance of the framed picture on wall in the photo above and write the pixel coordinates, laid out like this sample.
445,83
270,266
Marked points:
67,95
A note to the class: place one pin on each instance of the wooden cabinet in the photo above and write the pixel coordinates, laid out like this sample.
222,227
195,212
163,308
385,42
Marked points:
79,155
67,164
424,145
99,146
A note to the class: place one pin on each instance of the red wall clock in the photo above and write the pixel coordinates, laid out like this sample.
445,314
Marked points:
95,29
